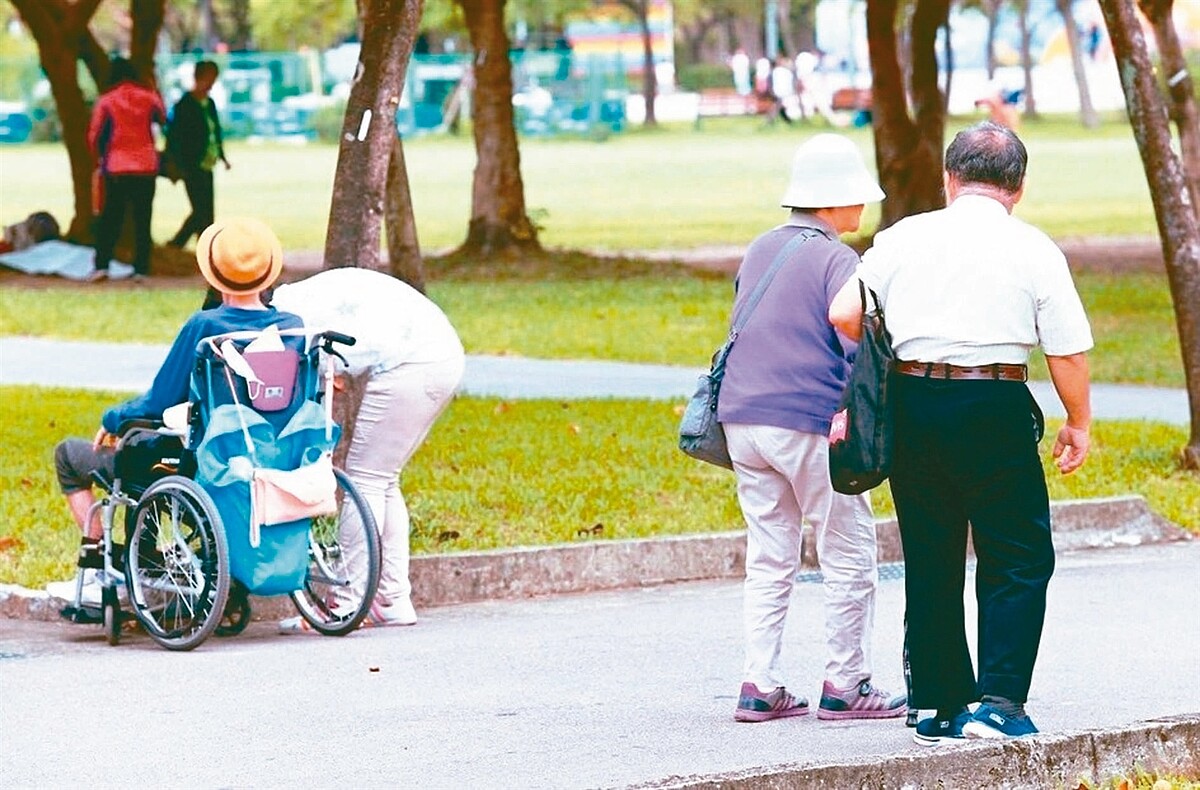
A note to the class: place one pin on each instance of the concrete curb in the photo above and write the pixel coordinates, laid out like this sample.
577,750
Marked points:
615,564
1170,745
444,579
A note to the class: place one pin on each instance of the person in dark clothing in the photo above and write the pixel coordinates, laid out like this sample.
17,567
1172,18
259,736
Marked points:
122,140
194,145
969,291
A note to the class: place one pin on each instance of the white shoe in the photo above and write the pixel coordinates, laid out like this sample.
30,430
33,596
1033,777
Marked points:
296,625
92,592
399,612
89,594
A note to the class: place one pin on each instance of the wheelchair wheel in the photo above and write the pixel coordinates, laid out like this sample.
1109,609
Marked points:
344,563
112,617
177,563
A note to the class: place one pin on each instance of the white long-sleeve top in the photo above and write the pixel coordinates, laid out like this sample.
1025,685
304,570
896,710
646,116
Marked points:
393,323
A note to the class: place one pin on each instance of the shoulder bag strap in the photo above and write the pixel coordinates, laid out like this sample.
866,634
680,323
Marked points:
743,315
760,288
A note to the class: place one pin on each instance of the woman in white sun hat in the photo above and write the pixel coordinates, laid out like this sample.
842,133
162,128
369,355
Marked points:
783,380
240,258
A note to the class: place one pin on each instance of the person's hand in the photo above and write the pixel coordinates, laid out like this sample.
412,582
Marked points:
227,165
1071,448
103,439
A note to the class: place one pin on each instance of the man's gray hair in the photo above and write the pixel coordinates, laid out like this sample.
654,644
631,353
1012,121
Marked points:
988,153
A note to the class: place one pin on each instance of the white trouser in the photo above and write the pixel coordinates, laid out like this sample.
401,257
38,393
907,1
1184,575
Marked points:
398,409
782,484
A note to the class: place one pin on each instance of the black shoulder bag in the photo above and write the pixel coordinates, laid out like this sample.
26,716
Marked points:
860,436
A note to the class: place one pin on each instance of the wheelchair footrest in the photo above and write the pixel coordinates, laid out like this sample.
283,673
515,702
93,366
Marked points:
85,615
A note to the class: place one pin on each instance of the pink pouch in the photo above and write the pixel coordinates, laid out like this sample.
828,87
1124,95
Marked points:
278,496
277,373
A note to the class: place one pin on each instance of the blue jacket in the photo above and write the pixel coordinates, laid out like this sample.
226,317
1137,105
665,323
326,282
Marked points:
171,382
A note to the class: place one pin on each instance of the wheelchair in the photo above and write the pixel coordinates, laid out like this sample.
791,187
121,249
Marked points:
193,550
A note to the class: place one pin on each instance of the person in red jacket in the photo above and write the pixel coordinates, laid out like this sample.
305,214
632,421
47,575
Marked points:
121,137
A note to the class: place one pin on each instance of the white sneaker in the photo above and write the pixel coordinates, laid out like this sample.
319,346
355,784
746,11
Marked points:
297,625
66,590
92,592
399,612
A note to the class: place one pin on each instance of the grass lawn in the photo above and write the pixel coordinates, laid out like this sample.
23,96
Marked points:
480,482
667,189
673,318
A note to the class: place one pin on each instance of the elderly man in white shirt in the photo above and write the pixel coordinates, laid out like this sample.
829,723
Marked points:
968,291
414,362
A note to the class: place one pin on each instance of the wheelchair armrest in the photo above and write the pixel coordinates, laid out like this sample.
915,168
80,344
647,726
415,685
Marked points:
141,423
133,428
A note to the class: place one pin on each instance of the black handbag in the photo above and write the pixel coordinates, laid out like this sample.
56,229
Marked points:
700,434
860,436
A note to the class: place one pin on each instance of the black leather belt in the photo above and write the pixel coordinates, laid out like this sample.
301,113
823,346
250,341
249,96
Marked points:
997,371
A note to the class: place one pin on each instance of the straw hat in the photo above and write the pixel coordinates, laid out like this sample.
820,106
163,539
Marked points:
239,256
827,172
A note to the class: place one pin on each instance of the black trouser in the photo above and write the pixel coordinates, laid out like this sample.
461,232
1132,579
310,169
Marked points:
966,451
137,194
199,185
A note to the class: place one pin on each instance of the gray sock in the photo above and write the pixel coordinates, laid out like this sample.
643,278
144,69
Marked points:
1005,706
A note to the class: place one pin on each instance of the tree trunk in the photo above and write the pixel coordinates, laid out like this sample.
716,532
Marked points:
369,133
649,76
499,223
1031,112
143,39
404,251
804,20
1180,89
1087,113
908,149
347,402
991,9
94,58
949,49
1177,223
208,25
748,34
641,11
787,36
59,28
694,35
239,14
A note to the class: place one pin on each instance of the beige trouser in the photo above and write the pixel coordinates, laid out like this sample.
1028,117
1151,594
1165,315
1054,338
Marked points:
398,409
783,484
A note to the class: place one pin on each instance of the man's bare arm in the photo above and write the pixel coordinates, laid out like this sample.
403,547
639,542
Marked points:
1071,381
845,313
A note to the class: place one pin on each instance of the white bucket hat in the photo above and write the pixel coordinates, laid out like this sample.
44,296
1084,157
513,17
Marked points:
828,171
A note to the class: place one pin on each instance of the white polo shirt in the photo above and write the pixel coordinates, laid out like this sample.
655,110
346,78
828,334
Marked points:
972,285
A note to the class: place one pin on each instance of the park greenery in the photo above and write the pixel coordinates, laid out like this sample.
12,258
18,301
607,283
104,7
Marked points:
497,474
671,316
640,195
668,189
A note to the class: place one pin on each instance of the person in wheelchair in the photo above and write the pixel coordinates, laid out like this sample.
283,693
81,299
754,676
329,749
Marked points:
238,257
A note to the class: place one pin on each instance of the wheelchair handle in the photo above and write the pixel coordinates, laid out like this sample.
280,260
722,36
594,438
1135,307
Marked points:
329,337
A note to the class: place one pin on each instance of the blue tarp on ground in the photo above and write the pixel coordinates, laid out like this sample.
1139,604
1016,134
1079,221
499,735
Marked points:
73,261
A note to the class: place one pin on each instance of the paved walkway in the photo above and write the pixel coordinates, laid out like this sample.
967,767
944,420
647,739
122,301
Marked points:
110,366
599,690
595,690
